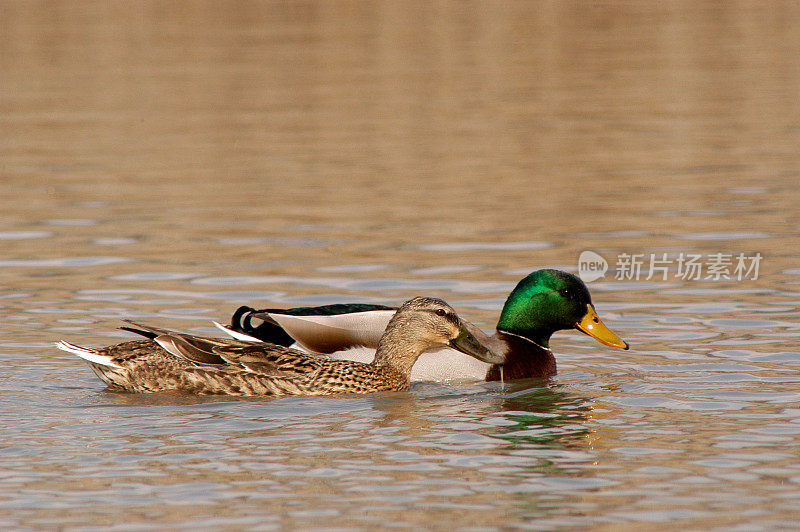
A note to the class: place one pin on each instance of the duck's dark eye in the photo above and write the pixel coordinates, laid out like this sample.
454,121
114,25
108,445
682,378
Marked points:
441,312
564,292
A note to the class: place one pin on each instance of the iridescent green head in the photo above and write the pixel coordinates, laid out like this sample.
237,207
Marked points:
547,301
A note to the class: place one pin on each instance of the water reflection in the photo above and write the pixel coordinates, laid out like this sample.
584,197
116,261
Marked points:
363,284
485,246
545,416
529,426
21,235
65,262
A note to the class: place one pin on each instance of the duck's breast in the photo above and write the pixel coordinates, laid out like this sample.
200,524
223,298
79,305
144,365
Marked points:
442,365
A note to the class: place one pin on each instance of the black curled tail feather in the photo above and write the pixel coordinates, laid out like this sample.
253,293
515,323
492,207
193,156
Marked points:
241,314
267,331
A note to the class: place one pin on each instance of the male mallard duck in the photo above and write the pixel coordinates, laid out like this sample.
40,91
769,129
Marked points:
542,303
174,362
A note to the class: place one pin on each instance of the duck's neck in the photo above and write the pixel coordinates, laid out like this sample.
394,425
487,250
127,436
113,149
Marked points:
525,358
535,330
398,351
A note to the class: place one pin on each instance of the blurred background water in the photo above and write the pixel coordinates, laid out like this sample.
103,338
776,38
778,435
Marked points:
171,161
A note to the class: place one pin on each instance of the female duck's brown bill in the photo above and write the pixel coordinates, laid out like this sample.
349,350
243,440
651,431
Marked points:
467,343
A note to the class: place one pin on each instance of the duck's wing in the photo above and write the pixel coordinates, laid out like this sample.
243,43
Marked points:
268,360
271,360
196,349
325,329
327,334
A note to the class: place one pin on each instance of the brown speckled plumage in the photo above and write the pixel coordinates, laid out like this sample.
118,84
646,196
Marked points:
243,370
174,362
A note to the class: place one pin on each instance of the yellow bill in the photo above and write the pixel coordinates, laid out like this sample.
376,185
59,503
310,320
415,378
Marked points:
591,325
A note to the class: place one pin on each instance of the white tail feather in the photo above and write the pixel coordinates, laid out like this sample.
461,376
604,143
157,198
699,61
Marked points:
247,338
236,334
87,354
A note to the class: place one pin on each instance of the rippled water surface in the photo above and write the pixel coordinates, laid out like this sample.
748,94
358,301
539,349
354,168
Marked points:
169,162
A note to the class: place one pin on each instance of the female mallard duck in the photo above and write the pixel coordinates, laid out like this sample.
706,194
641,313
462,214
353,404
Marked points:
174,362
542,303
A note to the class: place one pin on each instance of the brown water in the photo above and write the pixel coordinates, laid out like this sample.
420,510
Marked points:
169,162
